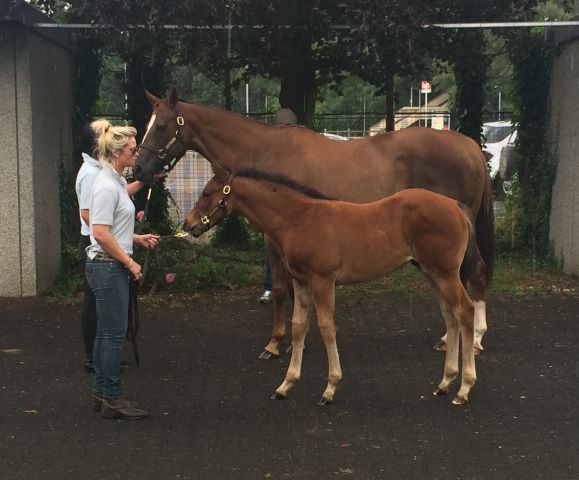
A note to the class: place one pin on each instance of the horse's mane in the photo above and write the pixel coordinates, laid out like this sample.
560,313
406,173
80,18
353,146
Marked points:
282,180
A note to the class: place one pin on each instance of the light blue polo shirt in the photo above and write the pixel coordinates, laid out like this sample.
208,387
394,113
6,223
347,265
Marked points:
84,181
111,205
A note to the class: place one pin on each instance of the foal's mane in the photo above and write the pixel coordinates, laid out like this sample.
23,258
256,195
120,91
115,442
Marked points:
282,180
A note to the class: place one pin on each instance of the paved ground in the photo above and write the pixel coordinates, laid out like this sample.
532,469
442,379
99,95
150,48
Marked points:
211,416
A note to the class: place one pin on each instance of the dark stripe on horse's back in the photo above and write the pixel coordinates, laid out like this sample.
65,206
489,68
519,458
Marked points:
282,180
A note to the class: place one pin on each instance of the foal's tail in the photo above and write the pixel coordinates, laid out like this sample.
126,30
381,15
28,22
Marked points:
485,225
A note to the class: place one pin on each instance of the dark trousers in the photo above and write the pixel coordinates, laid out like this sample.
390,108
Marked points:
267,280
88,319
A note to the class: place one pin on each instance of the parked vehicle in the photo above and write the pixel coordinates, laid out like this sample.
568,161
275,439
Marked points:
500,147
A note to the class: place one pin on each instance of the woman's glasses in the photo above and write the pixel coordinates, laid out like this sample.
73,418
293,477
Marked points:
134,150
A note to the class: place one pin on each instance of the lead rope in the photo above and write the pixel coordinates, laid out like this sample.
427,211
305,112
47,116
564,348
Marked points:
134,285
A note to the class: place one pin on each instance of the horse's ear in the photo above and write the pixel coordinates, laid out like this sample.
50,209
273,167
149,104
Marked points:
152,99
173,96
220,172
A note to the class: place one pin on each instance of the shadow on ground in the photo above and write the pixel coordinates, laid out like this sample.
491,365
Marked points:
212,417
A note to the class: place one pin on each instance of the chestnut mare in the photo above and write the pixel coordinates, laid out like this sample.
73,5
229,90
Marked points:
359,171
324,242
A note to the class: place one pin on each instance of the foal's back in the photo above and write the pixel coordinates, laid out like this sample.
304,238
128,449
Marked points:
359,242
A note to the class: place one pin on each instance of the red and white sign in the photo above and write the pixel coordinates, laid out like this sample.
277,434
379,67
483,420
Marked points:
425,87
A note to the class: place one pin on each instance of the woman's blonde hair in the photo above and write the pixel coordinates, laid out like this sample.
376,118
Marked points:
111,139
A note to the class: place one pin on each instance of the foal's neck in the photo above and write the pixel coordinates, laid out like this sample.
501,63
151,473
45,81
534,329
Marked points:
271,208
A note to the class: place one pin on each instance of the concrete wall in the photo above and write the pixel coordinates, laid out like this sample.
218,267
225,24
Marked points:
35,100
564,133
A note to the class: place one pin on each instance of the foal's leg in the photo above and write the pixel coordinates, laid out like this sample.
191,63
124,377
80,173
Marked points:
324,298
302,307
458,304
451,348
279,278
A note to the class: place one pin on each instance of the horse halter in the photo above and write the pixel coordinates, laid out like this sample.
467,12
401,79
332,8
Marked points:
162,152
206,218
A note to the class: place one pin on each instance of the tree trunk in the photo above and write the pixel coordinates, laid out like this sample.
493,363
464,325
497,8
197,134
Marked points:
298,83
228,94
389,96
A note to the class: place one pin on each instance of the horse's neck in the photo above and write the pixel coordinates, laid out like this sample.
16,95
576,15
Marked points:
220,135
271,208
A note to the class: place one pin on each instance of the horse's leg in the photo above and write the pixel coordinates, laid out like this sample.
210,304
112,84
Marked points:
451,347
302,307
478,292
323,290
459,310
478,287
279,278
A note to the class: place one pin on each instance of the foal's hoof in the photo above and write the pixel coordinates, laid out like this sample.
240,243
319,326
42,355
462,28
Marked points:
459,400
440,346
278,396
265,355
439,391
324,402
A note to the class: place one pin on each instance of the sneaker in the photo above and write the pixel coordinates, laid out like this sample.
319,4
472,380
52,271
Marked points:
121,409
88,366
266,297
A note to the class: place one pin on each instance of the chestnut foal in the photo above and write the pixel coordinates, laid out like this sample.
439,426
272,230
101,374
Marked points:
325,242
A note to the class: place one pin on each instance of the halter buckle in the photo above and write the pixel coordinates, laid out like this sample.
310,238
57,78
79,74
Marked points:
226,189
180,121
162,154
205,220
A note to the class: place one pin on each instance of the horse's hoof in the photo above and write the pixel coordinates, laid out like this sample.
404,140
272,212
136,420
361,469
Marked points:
278,396
438,392
477,351
459,400
265,355
440,346
289,349
324,402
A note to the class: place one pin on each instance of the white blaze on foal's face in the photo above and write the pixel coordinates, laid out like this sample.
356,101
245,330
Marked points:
151,123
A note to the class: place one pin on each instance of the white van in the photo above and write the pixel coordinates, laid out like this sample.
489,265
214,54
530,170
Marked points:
500,145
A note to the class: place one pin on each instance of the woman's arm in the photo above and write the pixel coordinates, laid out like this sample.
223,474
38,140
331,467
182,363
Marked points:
134,187
102,234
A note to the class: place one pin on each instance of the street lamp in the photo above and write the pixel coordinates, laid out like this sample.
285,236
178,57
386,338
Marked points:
499,111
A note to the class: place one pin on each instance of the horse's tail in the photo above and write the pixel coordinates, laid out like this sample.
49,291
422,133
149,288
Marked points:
467,266
485,225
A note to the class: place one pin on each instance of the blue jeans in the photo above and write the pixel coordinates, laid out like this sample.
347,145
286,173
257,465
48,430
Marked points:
110,283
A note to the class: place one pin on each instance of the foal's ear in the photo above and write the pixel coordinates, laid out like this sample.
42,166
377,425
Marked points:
219,171
152,99
173,96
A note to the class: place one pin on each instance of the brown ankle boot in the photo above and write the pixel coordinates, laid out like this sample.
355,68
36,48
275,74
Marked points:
97,401
121,409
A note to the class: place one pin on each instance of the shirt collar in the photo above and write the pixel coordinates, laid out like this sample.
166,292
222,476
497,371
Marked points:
89,160
109,170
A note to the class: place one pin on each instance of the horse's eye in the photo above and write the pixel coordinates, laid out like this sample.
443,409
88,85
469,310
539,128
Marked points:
205,194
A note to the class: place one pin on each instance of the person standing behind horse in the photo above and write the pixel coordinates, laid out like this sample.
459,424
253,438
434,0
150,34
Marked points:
284,117
109,263
84,181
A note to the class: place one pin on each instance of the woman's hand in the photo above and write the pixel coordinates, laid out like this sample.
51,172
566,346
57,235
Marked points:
135,270
148,240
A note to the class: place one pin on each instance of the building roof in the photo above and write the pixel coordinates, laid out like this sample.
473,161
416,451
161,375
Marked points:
21,14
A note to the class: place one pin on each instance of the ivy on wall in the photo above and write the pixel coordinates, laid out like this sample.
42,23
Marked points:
470,65
532,60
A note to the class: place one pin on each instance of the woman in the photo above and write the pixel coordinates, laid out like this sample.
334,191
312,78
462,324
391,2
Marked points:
110,262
